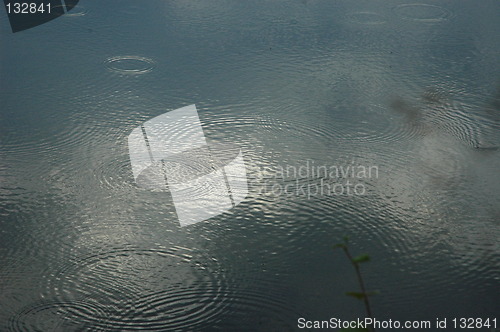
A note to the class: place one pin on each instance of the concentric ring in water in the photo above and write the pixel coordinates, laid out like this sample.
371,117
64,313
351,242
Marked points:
130,64
59,316
422,12
154,289
169,309
75,11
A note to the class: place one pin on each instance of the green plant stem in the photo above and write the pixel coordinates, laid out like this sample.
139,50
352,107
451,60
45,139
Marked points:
361,283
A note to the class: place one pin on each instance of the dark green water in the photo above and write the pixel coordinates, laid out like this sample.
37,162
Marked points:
411,89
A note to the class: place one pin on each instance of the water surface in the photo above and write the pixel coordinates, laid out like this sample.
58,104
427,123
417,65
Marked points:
411,88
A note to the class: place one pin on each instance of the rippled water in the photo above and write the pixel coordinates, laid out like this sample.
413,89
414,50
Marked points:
411,88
